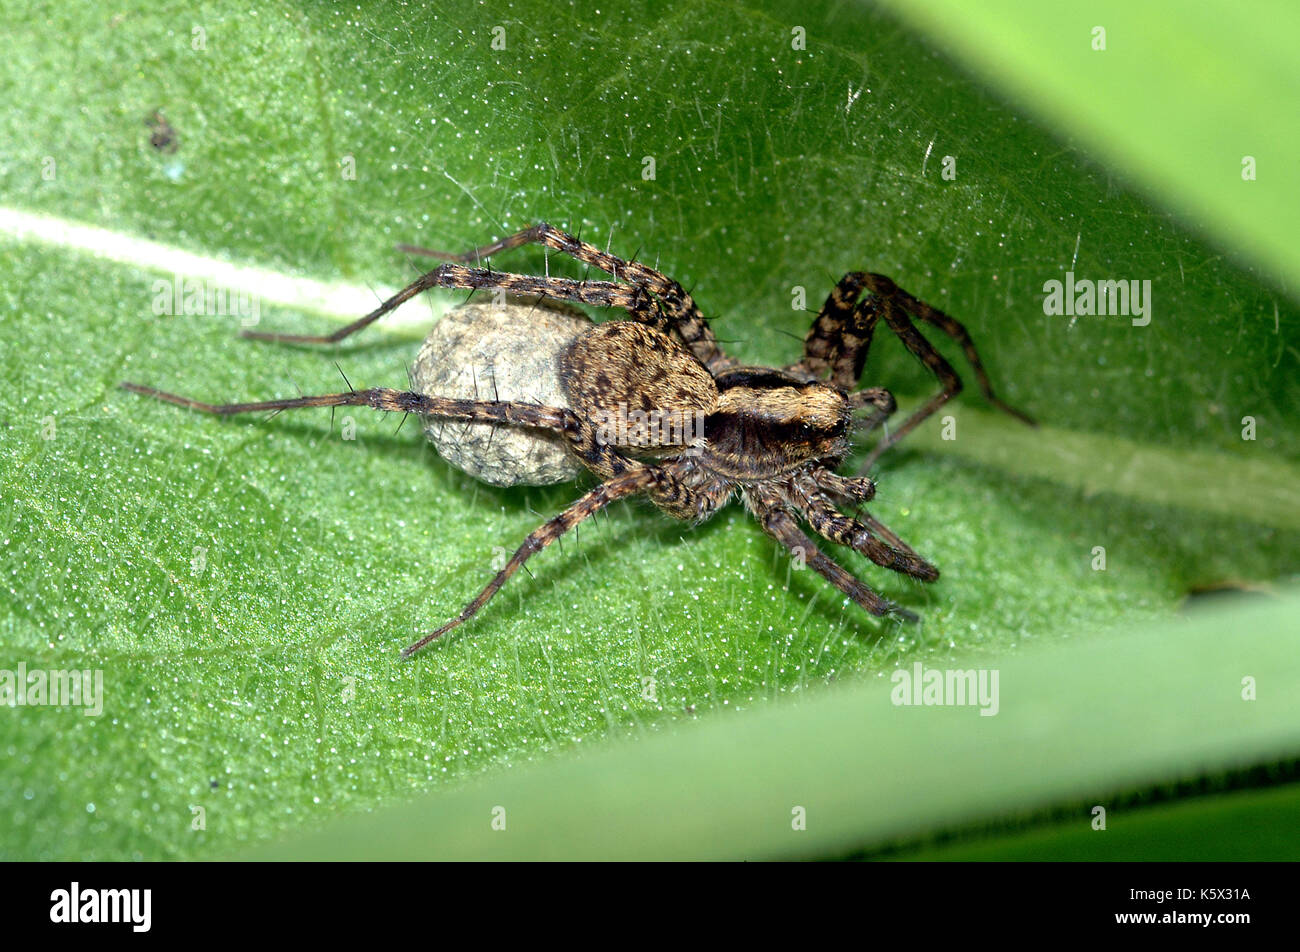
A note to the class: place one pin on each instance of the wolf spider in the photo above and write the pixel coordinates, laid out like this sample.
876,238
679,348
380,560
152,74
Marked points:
774,436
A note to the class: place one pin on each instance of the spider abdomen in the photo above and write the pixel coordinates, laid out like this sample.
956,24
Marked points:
637,386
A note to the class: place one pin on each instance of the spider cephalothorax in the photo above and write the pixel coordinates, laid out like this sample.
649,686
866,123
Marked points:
656,408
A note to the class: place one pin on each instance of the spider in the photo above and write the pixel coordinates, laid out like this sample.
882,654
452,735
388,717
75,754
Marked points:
773,436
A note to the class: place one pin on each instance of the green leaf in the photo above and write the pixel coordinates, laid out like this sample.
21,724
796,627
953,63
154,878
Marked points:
1245,826
1102,715
245,584
1194,102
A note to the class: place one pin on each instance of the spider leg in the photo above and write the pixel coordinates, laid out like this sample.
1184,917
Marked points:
885,533
880,399
597,499
830,523
778,522
583,438
840,337
596,293
680,497
954,329
855,489
835,344
872,309
678,306
858,490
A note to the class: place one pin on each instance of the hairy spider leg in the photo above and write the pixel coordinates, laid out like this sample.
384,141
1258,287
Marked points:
582,437
780,523
834,526
633,477
855,489
840,338
384,398
619,487
880,399
858,490
677,305
596,293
